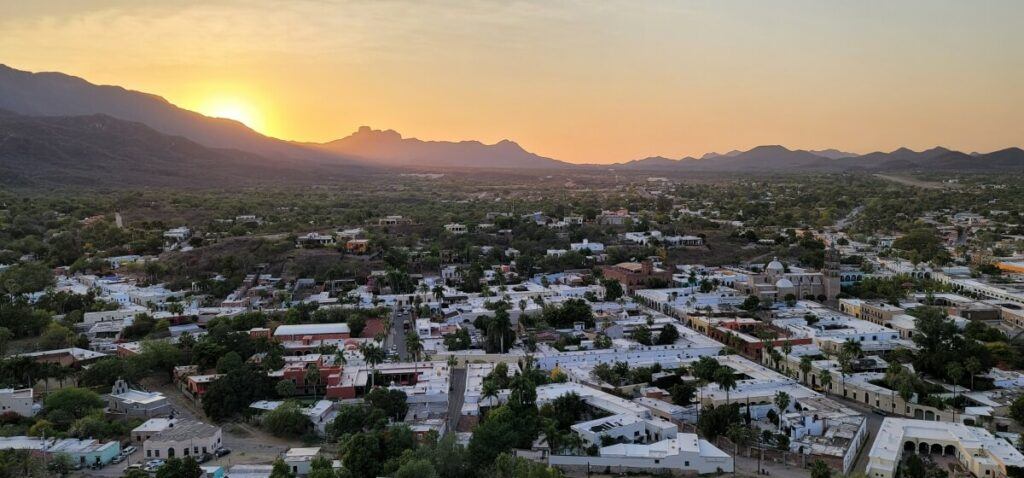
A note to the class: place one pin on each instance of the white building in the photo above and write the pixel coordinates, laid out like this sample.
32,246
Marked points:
181,439
456,228
300,460
131,403
684,453
586,245
642,238
981,453
17,401
178,234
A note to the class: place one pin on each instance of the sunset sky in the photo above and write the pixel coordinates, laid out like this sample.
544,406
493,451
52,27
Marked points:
599,81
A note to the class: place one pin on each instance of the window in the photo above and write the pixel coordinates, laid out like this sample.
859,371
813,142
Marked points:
686,463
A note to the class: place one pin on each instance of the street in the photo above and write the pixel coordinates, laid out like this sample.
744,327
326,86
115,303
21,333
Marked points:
396,336
456,397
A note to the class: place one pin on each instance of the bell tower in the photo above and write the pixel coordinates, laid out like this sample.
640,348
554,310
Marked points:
830,273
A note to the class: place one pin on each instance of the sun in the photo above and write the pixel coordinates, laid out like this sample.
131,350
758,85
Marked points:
234,109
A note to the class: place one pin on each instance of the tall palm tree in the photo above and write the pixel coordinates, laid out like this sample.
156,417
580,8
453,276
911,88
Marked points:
782,400
438,292
955,372
414,346
738,435
488,390
499,326
973,366
853,348
825,377
313,376
805,366
726,381
373,355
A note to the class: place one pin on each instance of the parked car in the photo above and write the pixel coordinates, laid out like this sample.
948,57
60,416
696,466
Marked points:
134,466
222,452
128,450
117,459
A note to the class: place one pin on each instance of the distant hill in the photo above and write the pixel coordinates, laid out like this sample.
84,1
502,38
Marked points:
388,147
832,153
60,129
57,94
782,160
99,150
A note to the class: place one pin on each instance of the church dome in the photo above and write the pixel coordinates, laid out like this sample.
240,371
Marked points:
783,284
775,266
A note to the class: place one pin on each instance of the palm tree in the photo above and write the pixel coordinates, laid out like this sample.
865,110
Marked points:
825,377
853,348
738,435
805,366
488,390
373,355
726,381
782,400
499,326
313,376
973,366
955,372
767,347
414,345
438,292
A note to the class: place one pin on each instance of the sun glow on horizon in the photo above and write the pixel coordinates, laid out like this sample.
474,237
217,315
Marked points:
233,108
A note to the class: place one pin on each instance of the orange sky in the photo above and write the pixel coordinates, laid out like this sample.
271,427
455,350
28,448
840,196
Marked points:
579,81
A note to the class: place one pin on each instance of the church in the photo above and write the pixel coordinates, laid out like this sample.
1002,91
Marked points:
777,281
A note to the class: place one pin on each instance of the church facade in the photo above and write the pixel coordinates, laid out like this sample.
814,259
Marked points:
776,282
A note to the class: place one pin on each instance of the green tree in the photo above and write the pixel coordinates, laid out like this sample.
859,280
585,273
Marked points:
287,420
820,469
682,393
417,468
180,468
668,335
825,378
642,334
72,402
280,470
285,388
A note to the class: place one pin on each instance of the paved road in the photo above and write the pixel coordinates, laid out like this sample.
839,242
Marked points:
456,397
396,336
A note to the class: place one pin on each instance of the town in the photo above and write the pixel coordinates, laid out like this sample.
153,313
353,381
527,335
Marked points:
564,327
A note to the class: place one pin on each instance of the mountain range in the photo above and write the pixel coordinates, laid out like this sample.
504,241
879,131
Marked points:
60,129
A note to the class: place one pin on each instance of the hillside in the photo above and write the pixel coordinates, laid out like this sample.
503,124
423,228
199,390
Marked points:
388,147
57,94
99,150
